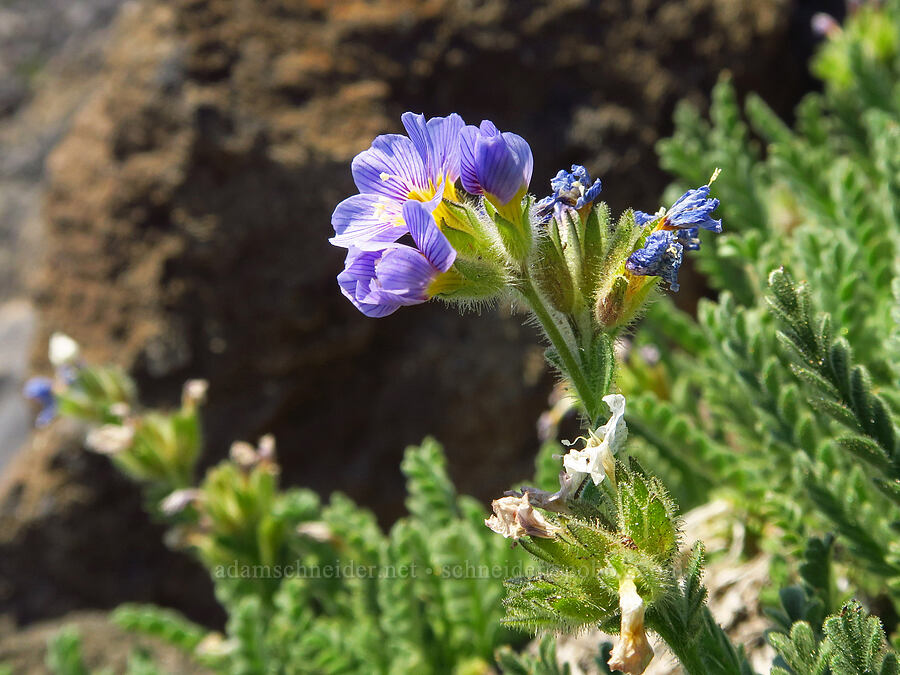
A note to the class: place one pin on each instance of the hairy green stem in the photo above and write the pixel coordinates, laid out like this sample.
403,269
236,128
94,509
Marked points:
708,652
573,367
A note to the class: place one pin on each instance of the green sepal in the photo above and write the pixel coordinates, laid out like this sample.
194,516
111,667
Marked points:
599,366
94,392
463,242
647,515
621,243
611,307
464,214
470,278
552,275
596,235
516,239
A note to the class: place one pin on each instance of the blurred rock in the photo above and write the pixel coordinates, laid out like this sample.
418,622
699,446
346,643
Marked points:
16,327
73,534
189,207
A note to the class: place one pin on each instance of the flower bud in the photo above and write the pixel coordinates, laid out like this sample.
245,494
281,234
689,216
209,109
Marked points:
214,645
497,165
552,276
611,305
825,25
248,458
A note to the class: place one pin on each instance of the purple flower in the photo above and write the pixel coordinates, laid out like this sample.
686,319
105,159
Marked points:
495,164
40,390
690,212
660,257
397,168
570,188
379,278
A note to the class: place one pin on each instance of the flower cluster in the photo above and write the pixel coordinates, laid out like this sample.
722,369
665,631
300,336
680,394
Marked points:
673,231
64,355
572,189
380,280
408,186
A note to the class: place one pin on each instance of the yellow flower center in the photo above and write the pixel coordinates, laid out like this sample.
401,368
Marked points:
443,216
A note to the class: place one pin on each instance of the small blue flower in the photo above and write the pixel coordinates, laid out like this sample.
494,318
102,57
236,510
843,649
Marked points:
379,278
495,164
571,188
660,257
690,212
40,390
675,230
689,237
642,217
397,168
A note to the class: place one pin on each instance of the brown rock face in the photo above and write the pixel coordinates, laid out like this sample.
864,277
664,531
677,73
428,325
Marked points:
189,206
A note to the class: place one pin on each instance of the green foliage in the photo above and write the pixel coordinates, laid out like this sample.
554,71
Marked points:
610,531
322,589
851,643
64,655
96,393
816,595
166,625
544,663
687,625
621,531
783,394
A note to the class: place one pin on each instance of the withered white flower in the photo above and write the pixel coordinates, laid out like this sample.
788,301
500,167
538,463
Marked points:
316,530
194,393
243,454
120,409
515,518
110,439
178,500
632,653
265,449
597,459
215,644
63,350
247,457
549,501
